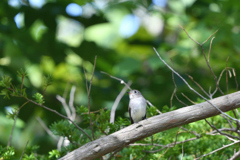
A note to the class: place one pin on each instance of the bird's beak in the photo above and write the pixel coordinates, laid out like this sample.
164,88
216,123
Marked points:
128,92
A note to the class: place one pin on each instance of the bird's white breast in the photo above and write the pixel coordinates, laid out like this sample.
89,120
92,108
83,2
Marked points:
138,108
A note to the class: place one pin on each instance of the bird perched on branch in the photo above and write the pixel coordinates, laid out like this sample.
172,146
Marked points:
137,106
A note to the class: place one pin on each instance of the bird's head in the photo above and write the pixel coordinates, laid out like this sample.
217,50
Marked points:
134,94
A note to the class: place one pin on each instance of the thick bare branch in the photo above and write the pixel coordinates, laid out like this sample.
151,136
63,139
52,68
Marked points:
153,125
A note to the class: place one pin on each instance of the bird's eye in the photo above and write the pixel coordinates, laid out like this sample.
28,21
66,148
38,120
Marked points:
135,91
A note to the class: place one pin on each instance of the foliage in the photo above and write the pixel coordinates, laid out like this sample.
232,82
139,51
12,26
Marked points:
6,153
43,50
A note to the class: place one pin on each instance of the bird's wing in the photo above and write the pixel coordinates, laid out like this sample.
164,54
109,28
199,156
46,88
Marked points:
129,110
144,117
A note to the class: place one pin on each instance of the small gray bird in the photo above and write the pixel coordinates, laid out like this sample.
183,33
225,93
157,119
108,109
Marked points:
137,106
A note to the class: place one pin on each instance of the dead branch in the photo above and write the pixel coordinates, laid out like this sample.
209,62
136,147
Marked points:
121,81
174,92
192,88
235,156
225,146
24,150
201,45
88,93
220,132
153,125
116,102
14,124
199,86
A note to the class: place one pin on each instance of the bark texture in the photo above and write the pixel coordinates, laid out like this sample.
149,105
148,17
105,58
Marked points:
153,125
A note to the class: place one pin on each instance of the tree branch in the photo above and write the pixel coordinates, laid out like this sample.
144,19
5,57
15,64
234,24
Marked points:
152,125
88,93
225,146
116,102
192,88
235,156
121,81
201,45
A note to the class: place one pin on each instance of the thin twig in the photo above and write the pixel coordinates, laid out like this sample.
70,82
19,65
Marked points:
237,123
220,77
150,104
59,114
237,113
193,132
116,102
121,81
88,92
235,75
189,35
188,99
201,45
210,36
198,85
163,153
171,99
14,124
49,109
227,74
192,88
95,111
176,90
225,146
210,49
24,150
172,145
182,152
224,129
149,144
222,133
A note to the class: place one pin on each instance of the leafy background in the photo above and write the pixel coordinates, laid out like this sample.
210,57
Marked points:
42,38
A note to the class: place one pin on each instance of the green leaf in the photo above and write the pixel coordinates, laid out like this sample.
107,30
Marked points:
54,154
5,93
39,98
47,81
21,73
6,152
6,82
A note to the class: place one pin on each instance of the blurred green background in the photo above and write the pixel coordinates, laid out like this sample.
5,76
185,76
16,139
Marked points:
61,37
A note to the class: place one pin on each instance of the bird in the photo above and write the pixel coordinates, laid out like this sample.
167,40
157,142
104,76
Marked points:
137,106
